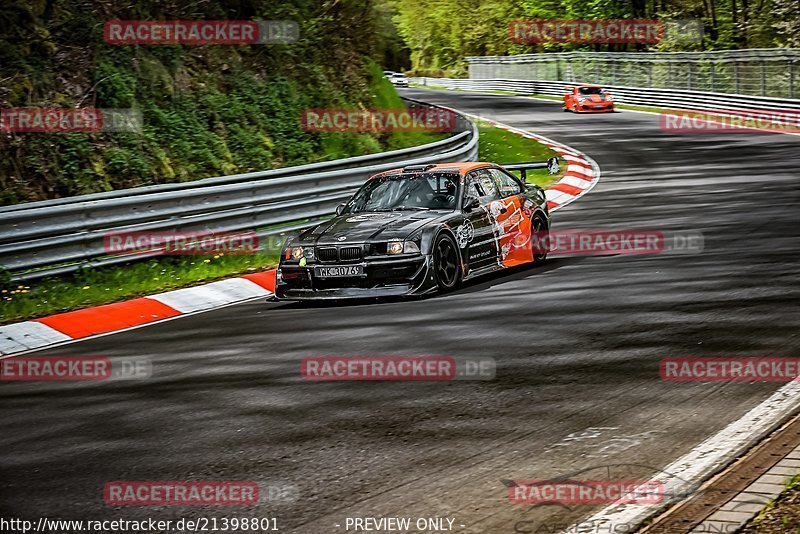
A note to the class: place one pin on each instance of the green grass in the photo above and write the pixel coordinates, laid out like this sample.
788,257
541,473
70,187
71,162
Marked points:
103,285
501,146
791,484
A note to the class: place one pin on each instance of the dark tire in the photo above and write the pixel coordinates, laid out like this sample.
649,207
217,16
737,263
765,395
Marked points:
446,265
538,226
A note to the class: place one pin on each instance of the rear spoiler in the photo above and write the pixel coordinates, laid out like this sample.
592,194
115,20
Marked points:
551,165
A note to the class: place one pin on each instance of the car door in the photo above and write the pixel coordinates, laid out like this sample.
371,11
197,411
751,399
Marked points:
477,236
512,219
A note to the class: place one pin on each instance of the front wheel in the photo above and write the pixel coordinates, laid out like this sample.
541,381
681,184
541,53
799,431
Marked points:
446,268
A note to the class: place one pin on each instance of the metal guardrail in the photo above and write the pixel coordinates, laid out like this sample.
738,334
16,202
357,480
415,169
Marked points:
667,98
768,72
46,238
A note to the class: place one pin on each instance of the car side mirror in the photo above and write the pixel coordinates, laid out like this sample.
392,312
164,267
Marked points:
340,209
470,203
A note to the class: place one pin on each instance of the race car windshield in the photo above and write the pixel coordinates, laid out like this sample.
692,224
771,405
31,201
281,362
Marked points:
591,90
399,192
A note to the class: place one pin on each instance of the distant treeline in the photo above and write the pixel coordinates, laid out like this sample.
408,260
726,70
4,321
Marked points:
440,33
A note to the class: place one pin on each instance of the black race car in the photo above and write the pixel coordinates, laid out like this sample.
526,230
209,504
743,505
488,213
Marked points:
416,230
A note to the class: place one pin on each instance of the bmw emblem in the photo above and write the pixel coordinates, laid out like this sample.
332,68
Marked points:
341,238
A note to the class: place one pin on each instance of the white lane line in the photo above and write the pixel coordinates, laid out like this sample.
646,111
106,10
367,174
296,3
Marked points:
709,457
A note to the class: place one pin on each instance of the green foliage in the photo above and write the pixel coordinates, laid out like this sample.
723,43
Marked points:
207,110
441,33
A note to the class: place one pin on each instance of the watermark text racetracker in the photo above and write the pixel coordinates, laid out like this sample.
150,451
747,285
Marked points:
642,31
73,368
378,120
181,243
611,242
426,368
716,121
730,369
573,492
69,120
198,493
618,527
200,32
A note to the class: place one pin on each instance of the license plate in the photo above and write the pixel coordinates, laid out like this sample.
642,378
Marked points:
339,271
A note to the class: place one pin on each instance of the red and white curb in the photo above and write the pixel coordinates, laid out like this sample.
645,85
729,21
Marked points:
64,327
582,174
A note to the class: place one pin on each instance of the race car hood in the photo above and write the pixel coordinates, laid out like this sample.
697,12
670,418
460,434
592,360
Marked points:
368,227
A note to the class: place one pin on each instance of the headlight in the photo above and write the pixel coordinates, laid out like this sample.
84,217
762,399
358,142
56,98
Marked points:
297,253
409,247
394,247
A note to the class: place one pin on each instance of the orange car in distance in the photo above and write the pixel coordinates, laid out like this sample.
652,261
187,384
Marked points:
588,99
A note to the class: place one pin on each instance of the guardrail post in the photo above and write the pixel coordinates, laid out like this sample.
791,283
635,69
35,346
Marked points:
649,74
736,77
791,78
689,75
763,78
713,77
669,73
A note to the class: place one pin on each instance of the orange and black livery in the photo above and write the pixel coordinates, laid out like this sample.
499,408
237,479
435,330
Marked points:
416,230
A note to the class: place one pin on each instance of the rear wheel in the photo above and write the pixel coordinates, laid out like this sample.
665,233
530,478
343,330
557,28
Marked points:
539,244
446,268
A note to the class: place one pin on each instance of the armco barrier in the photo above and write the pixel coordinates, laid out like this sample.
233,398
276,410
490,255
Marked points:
768,72
675,99
39,239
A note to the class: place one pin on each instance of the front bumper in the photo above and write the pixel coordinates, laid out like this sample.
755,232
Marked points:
405,275
590,107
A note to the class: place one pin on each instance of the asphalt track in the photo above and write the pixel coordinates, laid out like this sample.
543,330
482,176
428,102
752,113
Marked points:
577,341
